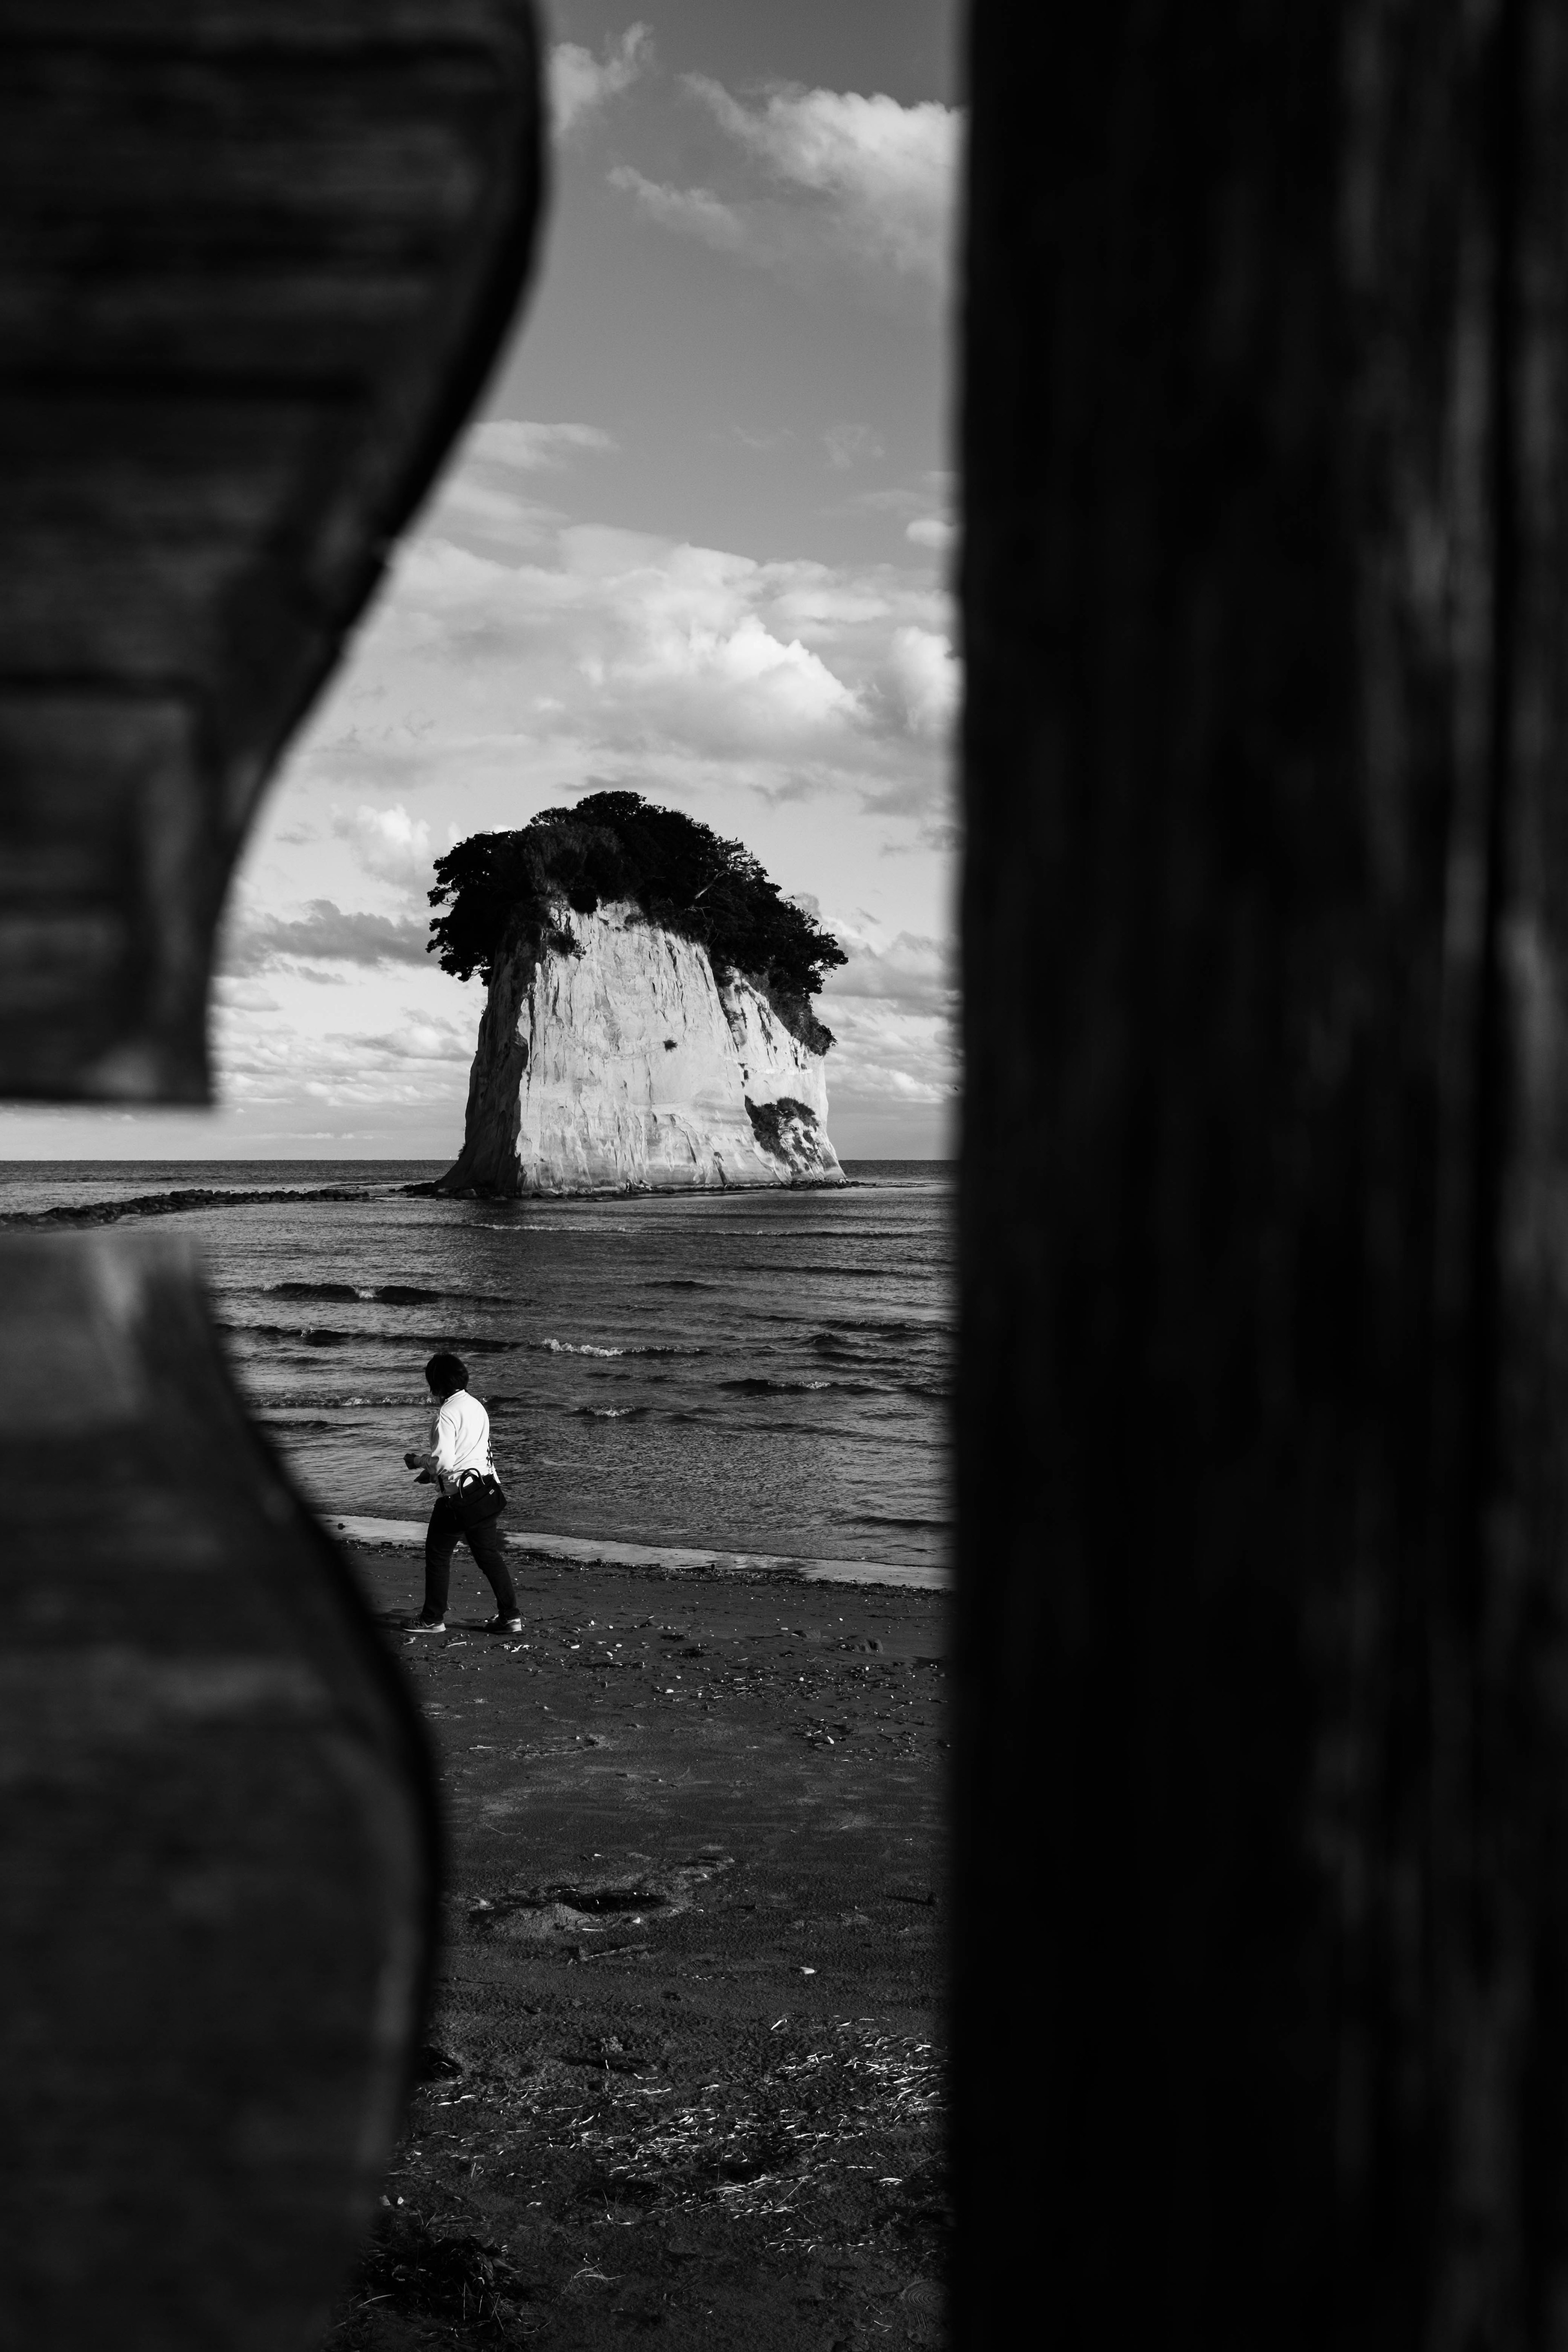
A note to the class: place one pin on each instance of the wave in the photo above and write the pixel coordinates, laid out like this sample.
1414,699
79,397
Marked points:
588,1348
824,1270
870,1520
309,1335
587,1226
313,1400
384,1294
840,1330
314,1334
325,1335
754,1386
610,1413
879,1439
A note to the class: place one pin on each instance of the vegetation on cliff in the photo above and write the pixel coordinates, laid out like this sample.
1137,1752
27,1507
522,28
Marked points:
496,892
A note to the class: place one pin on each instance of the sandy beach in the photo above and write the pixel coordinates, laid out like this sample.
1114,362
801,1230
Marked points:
684,2069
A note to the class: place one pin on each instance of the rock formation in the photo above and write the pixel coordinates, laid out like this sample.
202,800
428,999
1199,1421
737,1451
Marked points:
610,1057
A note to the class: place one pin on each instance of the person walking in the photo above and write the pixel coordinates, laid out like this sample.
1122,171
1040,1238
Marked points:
460,1444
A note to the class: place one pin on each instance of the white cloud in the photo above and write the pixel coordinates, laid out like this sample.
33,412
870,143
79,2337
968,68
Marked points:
419,1060
580,82
233,994
887,1057
926,671
516,442
893,1010
615,655
483,499
911,971
392,845
887,174
695,212
324,933
852,445
827,175
932,530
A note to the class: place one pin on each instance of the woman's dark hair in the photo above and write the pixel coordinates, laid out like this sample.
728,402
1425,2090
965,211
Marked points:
446,1374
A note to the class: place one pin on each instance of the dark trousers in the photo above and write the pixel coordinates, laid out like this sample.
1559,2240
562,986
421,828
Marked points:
484,1541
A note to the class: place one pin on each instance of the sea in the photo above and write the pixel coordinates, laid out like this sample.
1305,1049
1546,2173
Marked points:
746,1371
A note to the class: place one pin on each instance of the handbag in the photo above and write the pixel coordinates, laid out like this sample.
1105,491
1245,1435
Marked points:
479,1496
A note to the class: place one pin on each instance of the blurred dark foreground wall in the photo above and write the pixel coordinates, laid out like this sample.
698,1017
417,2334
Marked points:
1261,1943
1260,1952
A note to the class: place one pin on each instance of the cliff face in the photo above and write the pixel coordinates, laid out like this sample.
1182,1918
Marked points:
628,1064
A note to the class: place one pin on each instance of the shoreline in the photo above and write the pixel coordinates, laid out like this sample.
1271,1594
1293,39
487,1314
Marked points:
667,1559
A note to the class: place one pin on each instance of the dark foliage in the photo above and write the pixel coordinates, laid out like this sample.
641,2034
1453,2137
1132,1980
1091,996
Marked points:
496,891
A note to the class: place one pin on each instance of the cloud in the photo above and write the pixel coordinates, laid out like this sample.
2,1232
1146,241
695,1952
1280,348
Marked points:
237,995
932,530
257,942
852,445
886,175
581,83
637,660
483,500
913,972
417,1040
515,442
926,671
827,175
893,1009
392,845
419,1062
887,1057
695,212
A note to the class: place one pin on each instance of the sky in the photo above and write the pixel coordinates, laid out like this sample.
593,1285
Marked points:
696,544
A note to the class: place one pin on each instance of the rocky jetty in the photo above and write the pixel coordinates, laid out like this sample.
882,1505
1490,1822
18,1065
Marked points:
617,1051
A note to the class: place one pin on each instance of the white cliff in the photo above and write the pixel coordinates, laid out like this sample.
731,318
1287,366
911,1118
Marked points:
627,1065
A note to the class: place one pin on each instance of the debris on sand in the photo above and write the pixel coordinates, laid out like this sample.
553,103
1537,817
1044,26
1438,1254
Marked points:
457,2277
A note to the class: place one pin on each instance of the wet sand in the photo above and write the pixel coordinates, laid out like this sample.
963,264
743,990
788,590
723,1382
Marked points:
684,2068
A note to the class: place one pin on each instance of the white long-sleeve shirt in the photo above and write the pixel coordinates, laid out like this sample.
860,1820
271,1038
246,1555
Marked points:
459,1439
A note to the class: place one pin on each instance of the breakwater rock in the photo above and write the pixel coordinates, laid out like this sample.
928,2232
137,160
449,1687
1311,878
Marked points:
188,1199
611,1058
